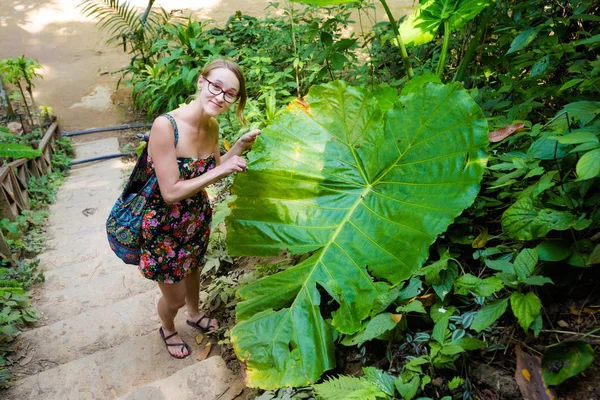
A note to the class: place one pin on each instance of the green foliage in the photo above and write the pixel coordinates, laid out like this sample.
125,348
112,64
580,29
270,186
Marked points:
565,360
15,307
349,388
16,150
376,162
528,61
422,26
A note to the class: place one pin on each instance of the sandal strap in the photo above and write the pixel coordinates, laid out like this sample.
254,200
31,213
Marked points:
165,338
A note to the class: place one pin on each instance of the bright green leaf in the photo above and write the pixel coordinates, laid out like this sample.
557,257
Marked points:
413,306
455,382
524,221
416,83
537,280
576,137
525,263
382,379
477,286
332,172
588,166
375,327
17,150
489,314
526,308
408,390
423,24
470,343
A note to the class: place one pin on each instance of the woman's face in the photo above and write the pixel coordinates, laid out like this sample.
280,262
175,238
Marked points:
225,84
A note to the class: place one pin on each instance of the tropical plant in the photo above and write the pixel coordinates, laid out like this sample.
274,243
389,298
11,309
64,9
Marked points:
17,70
334,189
10,149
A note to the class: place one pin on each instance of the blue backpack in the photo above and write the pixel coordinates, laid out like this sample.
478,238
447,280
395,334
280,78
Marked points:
124,223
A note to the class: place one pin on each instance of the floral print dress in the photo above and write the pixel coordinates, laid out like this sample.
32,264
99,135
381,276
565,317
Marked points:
175,237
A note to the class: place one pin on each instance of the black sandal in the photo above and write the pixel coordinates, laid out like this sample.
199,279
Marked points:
182,344
201,328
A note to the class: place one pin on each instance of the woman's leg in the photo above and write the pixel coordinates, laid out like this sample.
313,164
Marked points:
192,294
173,298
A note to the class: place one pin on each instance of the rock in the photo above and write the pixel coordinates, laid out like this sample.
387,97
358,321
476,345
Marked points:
496,379
15,128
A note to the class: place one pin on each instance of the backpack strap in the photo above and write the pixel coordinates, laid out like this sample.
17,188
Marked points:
174,125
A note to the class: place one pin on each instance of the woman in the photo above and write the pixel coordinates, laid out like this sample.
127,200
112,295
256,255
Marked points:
176,226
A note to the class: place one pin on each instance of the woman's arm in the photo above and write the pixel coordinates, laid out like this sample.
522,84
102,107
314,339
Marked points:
243,144
164,156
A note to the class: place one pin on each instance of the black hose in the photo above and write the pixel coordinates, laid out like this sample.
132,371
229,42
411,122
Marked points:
100,158
107,129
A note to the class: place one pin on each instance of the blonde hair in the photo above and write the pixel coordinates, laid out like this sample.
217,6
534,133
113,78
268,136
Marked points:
233,67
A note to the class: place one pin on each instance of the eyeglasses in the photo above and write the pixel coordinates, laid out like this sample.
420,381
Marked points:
215,89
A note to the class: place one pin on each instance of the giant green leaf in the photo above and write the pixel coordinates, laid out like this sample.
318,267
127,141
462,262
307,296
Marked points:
423,24
366,193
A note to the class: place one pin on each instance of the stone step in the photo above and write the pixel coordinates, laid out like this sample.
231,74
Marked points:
106,288
130,364
64,255
83,334
208,380
96,148
83,273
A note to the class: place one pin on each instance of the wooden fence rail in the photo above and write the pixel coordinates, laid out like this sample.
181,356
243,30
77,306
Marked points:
14,176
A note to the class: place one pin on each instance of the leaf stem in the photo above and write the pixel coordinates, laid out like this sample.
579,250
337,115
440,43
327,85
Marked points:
403,51
444,53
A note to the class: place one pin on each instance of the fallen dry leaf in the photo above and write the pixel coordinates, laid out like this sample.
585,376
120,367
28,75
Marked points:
202,356
529,377
501,134
481,239
199,338
427,300
562,324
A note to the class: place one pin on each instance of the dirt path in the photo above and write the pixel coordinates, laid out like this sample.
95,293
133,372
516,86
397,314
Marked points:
78,82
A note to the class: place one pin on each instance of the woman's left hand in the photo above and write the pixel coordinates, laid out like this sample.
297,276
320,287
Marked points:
248,139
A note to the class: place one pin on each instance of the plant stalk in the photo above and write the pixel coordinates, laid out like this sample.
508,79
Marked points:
462,68
26,106
144,17
403,51
444,53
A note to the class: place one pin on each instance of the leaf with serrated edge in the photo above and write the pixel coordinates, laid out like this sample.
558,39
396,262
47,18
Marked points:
335,177
526,308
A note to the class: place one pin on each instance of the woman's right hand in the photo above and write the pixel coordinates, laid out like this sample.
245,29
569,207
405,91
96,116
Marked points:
233,164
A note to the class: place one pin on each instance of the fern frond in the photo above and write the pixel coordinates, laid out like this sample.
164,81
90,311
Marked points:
112,15
349,388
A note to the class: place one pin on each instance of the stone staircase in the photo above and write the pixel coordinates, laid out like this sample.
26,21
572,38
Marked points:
97,337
